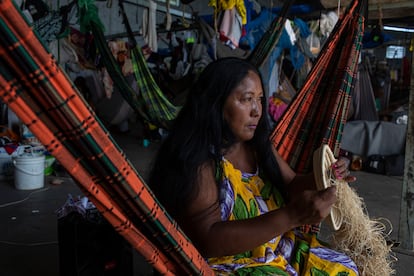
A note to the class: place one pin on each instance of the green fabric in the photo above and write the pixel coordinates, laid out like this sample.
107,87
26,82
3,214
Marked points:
149,102
260,271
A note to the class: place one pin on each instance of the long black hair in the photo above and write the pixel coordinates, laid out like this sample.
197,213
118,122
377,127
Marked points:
200,134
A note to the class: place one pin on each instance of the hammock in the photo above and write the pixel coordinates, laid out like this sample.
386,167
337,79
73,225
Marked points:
153,106
39,92
318,112
270,39
160,109
150,104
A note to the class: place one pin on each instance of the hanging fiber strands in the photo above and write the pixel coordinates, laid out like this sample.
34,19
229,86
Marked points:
149,102
37,90
357,235
318,112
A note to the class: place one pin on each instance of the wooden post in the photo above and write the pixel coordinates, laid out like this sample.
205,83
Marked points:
406,227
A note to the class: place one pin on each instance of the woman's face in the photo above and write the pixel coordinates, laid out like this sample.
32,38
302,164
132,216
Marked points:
243,107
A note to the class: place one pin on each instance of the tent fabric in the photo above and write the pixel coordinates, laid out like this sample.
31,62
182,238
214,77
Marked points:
318,112
364,105
48,103
366,138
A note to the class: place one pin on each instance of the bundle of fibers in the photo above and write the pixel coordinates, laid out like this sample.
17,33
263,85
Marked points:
356,235
359,237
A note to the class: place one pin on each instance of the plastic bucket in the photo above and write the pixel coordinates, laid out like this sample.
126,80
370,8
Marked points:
29,171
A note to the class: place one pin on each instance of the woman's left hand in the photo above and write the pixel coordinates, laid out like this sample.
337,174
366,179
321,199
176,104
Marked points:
341,170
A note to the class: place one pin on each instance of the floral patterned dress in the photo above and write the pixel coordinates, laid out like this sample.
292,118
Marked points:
245,195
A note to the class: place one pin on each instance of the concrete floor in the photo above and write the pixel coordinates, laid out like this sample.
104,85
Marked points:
29,242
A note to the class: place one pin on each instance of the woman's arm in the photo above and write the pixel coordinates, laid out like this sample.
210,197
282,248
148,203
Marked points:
214,237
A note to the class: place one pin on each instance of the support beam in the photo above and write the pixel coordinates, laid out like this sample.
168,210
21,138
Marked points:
406,227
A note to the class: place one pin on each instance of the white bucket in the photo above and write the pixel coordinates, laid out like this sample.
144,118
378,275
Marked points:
29,171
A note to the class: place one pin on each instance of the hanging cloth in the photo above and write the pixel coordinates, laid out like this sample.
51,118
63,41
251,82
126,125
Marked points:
39,92
149,28
319,110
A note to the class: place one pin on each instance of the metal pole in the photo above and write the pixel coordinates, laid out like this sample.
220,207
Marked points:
406,227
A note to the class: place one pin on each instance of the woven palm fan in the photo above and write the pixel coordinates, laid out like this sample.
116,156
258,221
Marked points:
358,236
323,159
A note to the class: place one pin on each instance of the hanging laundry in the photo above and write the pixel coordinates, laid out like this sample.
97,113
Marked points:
149,28
231,28
328,22
222,5
120,51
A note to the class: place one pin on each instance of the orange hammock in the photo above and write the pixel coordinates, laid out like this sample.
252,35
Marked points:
41,95
318,112
39,92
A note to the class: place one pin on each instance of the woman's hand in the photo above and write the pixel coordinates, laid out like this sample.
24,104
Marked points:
341,171
310,206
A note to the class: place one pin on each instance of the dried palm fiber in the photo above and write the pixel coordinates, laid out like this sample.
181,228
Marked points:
39,92
356,235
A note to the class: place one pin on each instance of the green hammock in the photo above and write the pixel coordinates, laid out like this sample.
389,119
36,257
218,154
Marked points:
152,94
150,103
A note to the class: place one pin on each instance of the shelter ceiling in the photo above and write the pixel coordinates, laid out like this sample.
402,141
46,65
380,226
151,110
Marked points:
398,12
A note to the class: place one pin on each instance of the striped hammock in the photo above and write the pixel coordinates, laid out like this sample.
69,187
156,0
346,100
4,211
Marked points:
149,102
43,97
318,112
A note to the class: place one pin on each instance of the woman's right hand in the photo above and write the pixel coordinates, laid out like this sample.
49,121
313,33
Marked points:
311,206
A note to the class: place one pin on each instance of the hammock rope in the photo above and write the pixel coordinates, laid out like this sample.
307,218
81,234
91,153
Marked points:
41,95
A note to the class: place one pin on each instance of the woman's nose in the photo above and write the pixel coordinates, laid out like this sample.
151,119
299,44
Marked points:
256,108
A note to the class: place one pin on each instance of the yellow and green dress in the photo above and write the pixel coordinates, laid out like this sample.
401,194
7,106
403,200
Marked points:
245,195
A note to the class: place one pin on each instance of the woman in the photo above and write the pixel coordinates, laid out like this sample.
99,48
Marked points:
231,192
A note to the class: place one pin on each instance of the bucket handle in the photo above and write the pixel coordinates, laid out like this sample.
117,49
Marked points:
27,149
25,171
23,149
